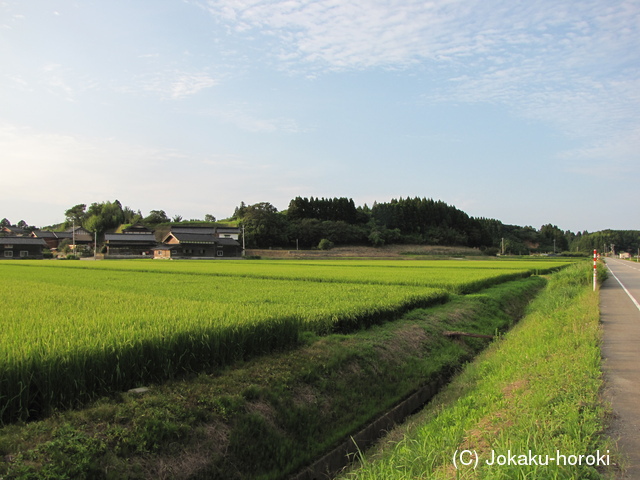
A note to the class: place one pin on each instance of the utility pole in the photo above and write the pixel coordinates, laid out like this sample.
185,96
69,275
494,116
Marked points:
243,253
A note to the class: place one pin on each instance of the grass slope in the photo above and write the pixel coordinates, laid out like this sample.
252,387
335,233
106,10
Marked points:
534,392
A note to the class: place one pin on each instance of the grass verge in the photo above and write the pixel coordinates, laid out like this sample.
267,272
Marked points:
531,402
268,417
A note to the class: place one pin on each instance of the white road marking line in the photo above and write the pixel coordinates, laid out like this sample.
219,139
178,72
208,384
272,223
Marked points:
627,264
625,289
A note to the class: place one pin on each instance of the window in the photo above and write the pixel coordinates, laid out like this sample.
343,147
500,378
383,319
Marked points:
8,254
8,246
24,253
220,253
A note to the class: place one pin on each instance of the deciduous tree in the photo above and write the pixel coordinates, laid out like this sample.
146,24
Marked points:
155,217
76,215
264,226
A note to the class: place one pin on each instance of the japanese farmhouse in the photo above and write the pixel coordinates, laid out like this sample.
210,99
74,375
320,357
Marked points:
22,247
199,242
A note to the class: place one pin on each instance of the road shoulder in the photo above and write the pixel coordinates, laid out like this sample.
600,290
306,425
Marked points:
621,364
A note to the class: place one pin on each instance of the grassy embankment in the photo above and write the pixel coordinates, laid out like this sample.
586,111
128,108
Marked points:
534,392
269,416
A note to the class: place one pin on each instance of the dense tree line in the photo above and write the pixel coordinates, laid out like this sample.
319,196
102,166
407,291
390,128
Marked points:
617,241
517,240
331,209
338,221
308,221
422,220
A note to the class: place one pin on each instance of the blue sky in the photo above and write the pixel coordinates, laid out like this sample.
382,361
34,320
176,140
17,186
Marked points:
527,112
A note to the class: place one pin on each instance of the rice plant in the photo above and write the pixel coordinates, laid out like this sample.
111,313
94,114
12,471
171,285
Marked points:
74,330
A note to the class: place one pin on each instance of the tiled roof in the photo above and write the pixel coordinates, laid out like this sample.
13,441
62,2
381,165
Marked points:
164,246
14,230
137,228
194,230
227,241
22,241
130,238
194,238
80,237
44,234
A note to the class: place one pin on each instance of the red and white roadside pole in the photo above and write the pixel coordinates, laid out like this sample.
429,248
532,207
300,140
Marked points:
595,266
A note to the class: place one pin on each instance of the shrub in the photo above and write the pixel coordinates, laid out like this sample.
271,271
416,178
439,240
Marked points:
325,244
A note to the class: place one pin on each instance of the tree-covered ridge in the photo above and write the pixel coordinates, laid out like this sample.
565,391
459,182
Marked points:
429,221
412,221
332,209
608,240
338,221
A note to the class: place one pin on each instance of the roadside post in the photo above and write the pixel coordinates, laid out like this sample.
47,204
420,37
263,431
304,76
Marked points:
595,266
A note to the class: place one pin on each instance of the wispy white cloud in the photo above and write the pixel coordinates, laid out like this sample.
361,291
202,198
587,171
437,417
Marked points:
235,161
10,18
174,85
60,81
246,117
571,64
18,82
56,80
621,149
186,85
368,33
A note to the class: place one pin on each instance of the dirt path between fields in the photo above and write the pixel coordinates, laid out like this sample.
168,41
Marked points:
620,316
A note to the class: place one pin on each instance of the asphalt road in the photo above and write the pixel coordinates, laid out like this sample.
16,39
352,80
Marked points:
620,316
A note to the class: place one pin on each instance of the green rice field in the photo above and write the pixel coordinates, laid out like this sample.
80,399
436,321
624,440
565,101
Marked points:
71,331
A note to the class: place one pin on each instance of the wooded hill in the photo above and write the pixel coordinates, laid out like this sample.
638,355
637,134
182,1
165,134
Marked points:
323,222
308,221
